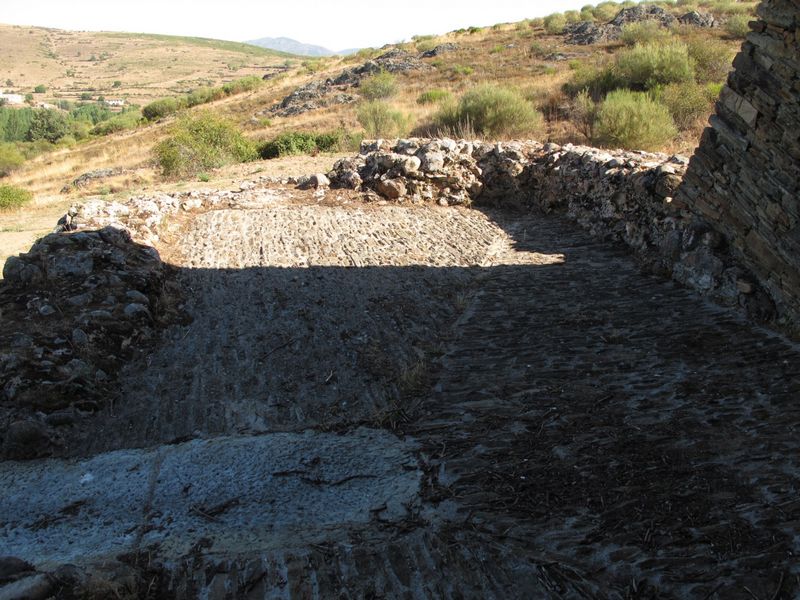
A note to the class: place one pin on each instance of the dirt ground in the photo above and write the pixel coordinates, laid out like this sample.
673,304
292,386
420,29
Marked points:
576,429
20,228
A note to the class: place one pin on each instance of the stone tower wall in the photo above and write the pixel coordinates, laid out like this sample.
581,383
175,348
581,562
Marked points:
744,178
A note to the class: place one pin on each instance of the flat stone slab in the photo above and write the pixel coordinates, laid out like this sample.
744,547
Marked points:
225,494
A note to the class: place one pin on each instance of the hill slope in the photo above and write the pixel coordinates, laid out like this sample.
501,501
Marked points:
137,67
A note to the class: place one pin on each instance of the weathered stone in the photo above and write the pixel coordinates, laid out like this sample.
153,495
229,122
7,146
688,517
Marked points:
752,156
391,188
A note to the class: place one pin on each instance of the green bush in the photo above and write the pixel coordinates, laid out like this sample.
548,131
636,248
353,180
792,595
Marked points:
204,95
645,32
304,142
687,102
644,67
462,70
738,26
554,24
491,110
379,86
160,108
381,120
197,143
119,122
40,89
712,58
605,11
633,120
50,125
245,84
433,96
597,80
10,158
584,114
13,197
289,144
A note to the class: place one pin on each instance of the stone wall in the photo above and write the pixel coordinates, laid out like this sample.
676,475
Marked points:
627,197
744,178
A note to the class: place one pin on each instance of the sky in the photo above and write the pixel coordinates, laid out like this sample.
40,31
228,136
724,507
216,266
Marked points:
335,24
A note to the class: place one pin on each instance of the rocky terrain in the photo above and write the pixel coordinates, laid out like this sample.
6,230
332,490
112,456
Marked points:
444,369
585,33
341,88
542,418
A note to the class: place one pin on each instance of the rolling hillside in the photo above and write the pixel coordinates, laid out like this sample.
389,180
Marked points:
135,67
531,57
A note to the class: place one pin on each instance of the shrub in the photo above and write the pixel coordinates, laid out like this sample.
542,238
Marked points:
605,11
13,197
738,26
10,159
160,108
645,32
597,80
245,84
380,120
462,70
433,96
687,102
204,95
117,84
120,122
289,144
198,143
584,114
554,24
633,120
302,142
378,86
644,67
712,58
48,125
492,111
39,89
538,50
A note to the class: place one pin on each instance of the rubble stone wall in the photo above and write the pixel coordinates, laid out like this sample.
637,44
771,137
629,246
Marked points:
628,197
745,176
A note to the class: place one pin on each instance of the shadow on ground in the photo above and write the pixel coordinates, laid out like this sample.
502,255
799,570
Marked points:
581,429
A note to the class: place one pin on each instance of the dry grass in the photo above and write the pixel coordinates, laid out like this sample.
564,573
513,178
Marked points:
148,67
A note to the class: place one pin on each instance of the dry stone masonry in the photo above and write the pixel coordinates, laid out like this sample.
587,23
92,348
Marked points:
622,196
744,176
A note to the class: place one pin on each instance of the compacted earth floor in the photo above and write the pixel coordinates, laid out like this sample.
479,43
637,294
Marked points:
415,402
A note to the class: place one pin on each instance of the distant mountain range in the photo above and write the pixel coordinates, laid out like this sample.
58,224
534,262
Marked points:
284,44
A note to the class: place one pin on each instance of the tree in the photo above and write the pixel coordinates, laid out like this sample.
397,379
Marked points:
48,125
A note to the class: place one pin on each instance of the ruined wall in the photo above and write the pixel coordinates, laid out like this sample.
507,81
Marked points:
745,176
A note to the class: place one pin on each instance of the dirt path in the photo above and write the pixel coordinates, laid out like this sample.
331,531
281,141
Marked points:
532,417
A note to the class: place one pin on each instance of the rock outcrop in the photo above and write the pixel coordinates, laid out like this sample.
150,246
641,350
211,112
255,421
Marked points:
625,196
587,32
343,88
744,175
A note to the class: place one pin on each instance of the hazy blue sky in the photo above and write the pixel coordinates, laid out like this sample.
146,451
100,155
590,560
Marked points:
336,24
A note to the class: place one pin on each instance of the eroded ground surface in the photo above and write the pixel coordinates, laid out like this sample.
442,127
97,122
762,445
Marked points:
491,406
